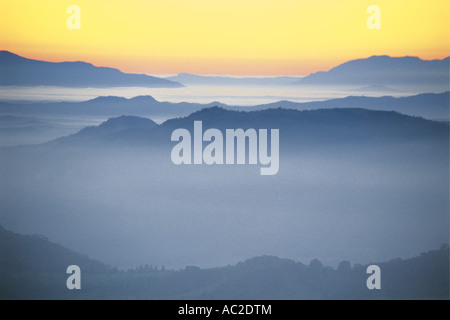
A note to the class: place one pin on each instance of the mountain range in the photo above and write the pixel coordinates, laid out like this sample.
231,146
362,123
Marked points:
371,73
298,128
434,106
352,183
19,71
30,123
189,79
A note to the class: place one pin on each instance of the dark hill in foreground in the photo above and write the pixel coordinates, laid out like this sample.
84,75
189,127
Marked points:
35,253
31,267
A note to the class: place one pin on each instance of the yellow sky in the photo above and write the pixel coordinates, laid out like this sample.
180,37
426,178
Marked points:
260,37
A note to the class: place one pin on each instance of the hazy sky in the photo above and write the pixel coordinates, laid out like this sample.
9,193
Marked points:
251,37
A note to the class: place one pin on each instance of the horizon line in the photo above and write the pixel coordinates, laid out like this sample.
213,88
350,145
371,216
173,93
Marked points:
231,75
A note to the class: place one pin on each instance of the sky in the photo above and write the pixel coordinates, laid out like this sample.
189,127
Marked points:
231,37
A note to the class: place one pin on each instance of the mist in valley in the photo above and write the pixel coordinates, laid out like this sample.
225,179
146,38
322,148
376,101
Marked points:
129,205
352,184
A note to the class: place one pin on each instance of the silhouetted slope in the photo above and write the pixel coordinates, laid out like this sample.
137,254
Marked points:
424,277
324,126
103,107
376,72
31,267
127,130
193,79
34,253
119,125
299,130
19,71
384,70
431,106
34,268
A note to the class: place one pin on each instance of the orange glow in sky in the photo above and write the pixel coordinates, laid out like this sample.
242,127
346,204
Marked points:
240,37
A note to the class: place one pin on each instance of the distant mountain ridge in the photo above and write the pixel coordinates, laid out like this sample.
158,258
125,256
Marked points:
376,73
384,71
19,71
434,106
194,79
372,72
38,128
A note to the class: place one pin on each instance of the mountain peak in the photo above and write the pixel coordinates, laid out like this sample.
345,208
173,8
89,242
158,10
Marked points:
127,122
7,53
145,98
116,99
110,127
8,56
386,71
214,110
107,99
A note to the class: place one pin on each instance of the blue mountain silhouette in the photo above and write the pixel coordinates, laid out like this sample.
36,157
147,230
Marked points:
434,106
19,71
194,79
384,70
35,253
30,265
309,127
429,105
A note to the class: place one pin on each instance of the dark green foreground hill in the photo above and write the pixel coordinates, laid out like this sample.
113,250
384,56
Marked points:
31,267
